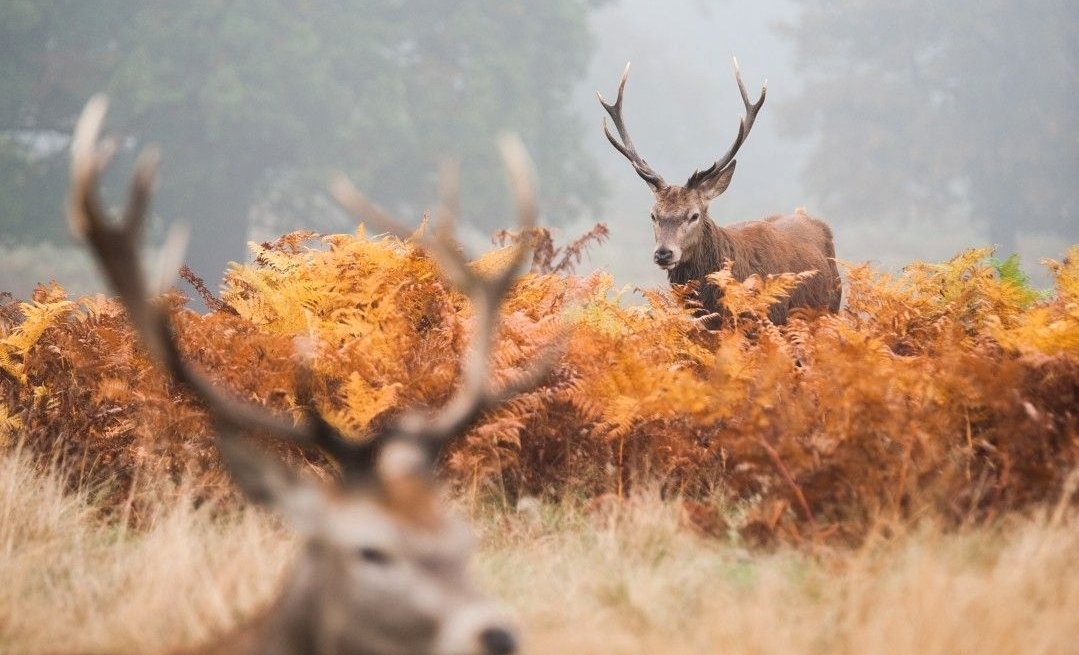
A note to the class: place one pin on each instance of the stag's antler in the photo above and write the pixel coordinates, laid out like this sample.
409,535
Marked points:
115,245
626,147
744,126
476,393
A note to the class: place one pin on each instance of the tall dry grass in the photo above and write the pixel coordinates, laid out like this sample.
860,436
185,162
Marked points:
622,578
633,580
75,580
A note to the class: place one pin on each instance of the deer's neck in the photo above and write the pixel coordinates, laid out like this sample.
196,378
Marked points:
283,627
713,249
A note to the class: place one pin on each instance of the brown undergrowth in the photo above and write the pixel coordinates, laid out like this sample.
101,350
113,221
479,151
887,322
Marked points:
949,391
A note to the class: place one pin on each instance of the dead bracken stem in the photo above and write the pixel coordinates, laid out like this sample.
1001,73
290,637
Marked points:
795,489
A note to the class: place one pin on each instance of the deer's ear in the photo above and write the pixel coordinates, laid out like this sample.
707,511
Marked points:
712,186
268,481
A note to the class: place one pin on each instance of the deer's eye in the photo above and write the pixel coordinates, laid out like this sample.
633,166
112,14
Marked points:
694,217
653,218
373,555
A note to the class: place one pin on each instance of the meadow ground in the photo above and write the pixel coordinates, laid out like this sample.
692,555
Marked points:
615,578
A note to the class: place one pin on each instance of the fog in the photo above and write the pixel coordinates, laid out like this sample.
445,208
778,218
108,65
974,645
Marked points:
682,108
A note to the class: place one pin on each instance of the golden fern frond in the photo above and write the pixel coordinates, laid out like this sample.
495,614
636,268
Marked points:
38,316
1051,326
755,295
1066,276
10,425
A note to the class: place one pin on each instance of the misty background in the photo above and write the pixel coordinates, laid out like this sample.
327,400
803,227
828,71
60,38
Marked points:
916,129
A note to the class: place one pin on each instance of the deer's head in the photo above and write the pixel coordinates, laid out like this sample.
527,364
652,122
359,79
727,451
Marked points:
383,568
680,211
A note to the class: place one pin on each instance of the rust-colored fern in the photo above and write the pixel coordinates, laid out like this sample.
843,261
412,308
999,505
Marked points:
945,390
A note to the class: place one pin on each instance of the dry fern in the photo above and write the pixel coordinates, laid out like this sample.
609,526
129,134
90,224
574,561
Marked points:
948,390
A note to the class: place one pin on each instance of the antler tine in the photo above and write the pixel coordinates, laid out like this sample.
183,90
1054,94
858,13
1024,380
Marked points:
521,177
115,246
442,246
745,124
449,196
450,258
356,203
626,147
475,394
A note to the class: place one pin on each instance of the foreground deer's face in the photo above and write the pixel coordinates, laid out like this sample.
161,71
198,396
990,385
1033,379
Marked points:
384,566
396,582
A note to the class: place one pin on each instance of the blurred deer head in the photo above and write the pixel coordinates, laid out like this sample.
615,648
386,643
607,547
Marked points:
383,569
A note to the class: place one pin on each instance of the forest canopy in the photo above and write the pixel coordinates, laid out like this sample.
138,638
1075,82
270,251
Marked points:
255,102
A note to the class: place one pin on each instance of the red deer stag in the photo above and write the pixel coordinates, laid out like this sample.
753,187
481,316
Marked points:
383,567
689,245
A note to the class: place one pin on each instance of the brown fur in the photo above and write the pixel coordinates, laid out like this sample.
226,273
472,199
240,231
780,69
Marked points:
383,569
778,244
332,601
695,246
689,245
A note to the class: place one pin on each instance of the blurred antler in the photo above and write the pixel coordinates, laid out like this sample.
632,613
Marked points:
476,392
115,246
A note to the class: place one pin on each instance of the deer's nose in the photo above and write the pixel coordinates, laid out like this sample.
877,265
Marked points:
497,641
662,256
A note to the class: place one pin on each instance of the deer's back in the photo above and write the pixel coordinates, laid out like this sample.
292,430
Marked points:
782,243
790,243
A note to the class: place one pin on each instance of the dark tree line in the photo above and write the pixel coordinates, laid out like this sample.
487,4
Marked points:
254,102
